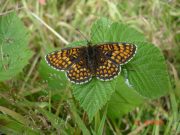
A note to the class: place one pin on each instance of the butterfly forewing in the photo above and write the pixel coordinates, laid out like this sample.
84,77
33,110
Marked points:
119,53
63,59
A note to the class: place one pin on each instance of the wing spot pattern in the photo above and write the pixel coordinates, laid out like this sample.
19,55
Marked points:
110,58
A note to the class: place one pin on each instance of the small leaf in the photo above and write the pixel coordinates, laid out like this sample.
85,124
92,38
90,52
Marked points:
123,100
147,71
14,52
100,31
94,95
105,31
55,79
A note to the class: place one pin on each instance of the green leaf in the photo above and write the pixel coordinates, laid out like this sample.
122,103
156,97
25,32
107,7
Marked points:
55,79
147,74
95,94
92,96
14,52
147,71
123,100
105,31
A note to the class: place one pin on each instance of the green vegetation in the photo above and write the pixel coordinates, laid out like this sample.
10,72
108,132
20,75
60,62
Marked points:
36,99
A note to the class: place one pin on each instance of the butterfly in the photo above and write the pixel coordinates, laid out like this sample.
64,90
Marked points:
102,61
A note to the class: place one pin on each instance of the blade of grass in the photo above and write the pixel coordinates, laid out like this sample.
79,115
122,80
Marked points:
174,107
168,126
96,121
56,121
4,5
78,120
156,125
51,29
10,126
29,74
14,115
102,123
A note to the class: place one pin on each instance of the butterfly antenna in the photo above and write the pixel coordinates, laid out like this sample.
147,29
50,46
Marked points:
83,35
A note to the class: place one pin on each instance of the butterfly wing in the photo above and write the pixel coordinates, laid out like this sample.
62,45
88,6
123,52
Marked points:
106,69
65,58
73,61
80,72
109,58
118,53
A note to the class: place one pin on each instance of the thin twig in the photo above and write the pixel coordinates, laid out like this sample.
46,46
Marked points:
140,128
40,20
7,12
51,29
29,73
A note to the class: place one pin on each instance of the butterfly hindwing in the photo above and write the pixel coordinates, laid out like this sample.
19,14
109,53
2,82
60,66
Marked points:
106,69
119,53
79,73
63,59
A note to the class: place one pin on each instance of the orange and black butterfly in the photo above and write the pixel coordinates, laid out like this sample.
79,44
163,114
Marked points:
102,61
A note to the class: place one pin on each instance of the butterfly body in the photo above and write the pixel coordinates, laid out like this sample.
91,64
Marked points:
102,61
